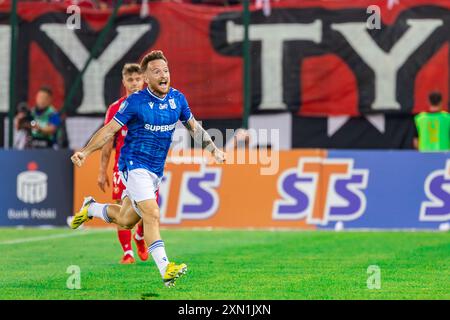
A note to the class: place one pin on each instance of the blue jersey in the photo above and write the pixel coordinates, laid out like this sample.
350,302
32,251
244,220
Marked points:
151,122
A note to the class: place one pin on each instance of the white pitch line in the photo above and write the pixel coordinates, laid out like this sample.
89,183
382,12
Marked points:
56,236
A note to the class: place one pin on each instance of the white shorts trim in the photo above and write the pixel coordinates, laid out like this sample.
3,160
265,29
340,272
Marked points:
140,185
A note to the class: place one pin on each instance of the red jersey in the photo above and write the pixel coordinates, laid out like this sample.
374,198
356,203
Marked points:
119,138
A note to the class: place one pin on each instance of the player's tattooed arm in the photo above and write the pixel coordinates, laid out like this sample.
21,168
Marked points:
98,140
101,137
202,137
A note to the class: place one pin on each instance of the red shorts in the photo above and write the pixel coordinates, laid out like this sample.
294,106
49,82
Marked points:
118,188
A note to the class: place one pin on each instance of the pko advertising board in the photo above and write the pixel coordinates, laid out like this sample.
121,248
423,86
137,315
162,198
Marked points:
36,187
299,189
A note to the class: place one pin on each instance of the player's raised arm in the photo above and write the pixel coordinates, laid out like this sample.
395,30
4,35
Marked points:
99,139
201,136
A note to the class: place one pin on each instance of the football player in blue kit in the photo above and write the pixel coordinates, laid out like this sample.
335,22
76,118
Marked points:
150,115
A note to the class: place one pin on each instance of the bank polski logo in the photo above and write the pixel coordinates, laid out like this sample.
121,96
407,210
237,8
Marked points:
437,190
321,190
32,185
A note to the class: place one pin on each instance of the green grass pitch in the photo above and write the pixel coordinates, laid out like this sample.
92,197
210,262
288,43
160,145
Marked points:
228,265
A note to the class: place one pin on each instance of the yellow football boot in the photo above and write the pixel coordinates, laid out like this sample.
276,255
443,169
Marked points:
173,272
81,216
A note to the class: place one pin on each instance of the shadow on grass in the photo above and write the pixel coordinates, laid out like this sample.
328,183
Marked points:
149,296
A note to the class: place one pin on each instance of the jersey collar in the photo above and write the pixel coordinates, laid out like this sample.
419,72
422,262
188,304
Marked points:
155,96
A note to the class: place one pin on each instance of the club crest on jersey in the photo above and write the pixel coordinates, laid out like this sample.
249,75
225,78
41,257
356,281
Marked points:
151,105
162,106
172,104
123,106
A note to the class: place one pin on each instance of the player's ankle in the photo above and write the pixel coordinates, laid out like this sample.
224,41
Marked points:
128,253
138,237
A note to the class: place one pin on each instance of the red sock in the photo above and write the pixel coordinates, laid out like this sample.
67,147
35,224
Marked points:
140,230
125,239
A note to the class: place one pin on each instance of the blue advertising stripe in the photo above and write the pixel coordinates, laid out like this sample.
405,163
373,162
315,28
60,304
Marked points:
395,190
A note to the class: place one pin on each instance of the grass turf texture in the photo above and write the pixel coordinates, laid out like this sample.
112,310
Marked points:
229,265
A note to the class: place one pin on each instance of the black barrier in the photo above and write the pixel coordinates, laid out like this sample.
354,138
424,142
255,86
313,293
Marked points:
36,187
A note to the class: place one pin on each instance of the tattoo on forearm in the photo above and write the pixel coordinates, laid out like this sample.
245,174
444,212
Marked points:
207,142
201,136
188,126
106,139
97,141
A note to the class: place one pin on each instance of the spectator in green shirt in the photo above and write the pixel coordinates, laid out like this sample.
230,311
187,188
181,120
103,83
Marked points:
43,121
433,127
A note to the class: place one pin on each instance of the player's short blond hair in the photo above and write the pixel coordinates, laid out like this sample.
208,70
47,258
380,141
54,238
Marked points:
152,55
130,68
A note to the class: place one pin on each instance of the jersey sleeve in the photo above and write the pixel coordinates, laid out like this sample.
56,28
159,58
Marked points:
186,113
128,109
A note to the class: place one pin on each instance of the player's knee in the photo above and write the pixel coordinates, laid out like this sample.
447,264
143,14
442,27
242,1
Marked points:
128,226
125,223
153,214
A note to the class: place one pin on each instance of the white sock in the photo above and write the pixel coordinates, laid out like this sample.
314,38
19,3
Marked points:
129,252
158,253
138,237
99,210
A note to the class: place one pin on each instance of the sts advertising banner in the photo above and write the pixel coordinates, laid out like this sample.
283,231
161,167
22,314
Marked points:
36,188
301,189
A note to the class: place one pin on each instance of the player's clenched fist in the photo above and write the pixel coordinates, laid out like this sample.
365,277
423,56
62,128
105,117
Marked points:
78,158
219,156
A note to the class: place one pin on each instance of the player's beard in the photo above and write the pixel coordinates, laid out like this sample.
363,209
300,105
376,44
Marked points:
161,90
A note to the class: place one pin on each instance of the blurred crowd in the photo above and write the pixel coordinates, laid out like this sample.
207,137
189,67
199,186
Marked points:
106,4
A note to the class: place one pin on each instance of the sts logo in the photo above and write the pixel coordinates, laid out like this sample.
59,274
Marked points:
321,190
437,190
189,192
